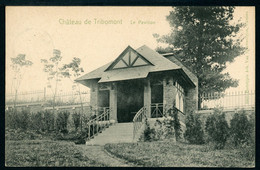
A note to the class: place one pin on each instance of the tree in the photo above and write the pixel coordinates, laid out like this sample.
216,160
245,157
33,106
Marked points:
53,69
71,71
204,39
18,65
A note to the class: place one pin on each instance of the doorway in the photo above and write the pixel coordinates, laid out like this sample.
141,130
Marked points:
130,99
157,98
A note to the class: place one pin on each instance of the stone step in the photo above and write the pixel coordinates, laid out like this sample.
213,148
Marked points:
117,133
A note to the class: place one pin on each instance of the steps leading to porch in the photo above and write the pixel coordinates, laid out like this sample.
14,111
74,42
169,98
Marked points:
118,133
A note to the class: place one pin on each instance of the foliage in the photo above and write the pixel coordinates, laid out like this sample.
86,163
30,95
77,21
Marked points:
54,71
18,65
62,121
204,39
164,128
169,154
22,119
48,120
194,132
176,124
19,134
10,119
217,129
73,70
76,120
41,121
37,121
167,128
241,129
148,133
45,153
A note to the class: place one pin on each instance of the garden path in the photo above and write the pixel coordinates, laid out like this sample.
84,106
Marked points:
98,154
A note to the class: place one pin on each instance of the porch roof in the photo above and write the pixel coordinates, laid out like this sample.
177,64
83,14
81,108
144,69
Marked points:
159,63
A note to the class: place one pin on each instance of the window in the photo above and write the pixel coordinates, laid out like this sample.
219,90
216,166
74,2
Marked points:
179,100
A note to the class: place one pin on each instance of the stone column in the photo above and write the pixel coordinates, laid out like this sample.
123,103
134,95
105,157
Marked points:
113,101
191,100
147,97
94,96
169,92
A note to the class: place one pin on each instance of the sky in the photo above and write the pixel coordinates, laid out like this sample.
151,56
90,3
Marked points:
81,32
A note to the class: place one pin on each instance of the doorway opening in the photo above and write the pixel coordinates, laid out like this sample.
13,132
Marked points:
157,100
130,99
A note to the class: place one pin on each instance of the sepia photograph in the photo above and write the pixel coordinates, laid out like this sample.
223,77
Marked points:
130,86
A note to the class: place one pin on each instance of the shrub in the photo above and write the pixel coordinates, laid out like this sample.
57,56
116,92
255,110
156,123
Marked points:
10,119
23,119
194,133
62,121
76,120
241,129
176,124
48,120
217,129
37,121
148,133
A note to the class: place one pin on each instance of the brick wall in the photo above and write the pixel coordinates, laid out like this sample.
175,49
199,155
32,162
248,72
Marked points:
191,99
169,92
147,96
113,101
94,95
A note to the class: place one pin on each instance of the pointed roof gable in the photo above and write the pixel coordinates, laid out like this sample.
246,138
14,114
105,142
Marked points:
129,58
131,64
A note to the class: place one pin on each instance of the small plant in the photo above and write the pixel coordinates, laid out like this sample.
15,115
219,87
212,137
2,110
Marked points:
62,121
37,121
194,132
10,119
148,134
48,120
76,120
176,124
241,129
167,128
23,119
217,129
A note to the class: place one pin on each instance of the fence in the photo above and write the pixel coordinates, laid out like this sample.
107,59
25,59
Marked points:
40,96
230,100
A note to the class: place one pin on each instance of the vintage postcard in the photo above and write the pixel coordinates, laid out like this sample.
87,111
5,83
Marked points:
132,86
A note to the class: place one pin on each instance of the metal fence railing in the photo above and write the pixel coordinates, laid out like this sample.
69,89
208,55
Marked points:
40,96
228,100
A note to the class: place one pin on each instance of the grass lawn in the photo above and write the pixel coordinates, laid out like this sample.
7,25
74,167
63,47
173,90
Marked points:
169,154
44,153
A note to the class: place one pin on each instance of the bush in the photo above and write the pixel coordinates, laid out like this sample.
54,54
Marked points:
76,120
176,124
241,129
62,121
194,133
48,120
18,119
10,119
217,129
148,133
37,122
